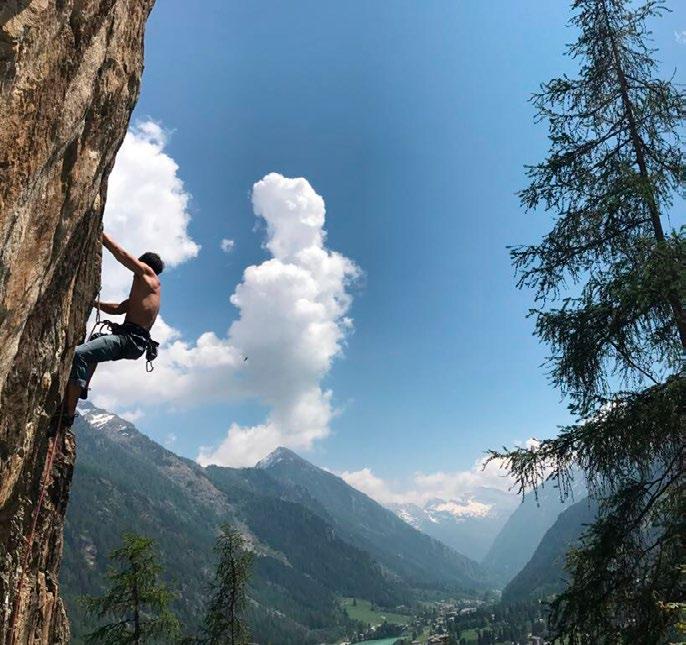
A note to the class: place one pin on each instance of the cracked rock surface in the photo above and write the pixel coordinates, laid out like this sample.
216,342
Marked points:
69,78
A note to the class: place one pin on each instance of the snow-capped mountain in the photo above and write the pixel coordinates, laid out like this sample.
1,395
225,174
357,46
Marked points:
469,524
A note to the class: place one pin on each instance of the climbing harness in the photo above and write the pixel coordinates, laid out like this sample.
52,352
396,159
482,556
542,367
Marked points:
45,480
151,348
101,325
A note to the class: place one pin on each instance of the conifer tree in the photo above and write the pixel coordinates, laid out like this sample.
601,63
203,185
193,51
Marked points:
610,287
136,602
225,618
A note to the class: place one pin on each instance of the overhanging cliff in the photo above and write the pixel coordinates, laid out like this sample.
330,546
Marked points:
69,78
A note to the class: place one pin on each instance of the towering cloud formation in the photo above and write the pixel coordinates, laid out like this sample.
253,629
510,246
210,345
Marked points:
291,325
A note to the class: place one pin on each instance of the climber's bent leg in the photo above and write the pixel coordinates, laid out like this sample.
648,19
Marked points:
105,348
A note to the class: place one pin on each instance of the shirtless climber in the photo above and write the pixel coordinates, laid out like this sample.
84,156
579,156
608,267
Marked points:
129,340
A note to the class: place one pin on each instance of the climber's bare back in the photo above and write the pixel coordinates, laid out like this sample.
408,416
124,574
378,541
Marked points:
144,300
143,303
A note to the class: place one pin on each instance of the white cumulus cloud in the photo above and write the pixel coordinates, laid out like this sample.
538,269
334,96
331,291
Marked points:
680,37
147,206
423,487
227,245
377,488
132,415
146,210
292,323
293,320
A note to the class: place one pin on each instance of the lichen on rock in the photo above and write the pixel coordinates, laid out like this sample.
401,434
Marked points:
69,78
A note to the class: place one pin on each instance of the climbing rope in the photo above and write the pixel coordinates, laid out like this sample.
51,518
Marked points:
45,480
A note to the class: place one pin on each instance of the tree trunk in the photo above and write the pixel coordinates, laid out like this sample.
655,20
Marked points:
638,145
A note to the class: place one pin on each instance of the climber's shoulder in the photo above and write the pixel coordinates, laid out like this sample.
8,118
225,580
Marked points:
149,279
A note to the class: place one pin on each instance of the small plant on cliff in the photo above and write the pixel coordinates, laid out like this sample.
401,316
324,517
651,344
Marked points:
136,603
224,620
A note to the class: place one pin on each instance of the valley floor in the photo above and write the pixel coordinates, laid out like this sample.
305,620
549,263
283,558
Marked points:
366,612
461,622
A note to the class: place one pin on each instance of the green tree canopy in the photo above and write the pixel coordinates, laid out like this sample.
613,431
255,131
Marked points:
136,603
225,618
610,283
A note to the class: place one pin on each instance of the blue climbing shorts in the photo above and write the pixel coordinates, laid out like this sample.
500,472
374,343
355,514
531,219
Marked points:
128,341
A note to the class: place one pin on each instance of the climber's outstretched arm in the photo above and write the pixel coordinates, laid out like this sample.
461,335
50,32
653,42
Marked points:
124,257
113,308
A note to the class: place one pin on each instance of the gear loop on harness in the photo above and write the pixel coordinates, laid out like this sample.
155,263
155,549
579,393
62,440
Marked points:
99,326
151,349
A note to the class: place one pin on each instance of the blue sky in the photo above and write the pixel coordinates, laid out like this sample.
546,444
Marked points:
411,120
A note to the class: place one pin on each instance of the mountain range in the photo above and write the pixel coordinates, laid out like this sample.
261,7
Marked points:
415,557
469,524
521,534
544,574
315,538
494,527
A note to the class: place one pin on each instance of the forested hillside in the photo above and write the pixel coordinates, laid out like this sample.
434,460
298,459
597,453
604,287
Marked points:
305,560
545,574
414,556
126,482
523,531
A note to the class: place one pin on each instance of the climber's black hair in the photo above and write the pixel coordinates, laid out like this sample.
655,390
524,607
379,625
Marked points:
153,260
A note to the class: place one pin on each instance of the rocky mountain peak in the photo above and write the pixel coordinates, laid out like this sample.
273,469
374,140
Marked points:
281,455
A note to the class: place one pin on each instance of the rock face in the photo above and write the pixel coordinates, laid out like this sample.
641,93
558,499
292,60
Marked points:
69,78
